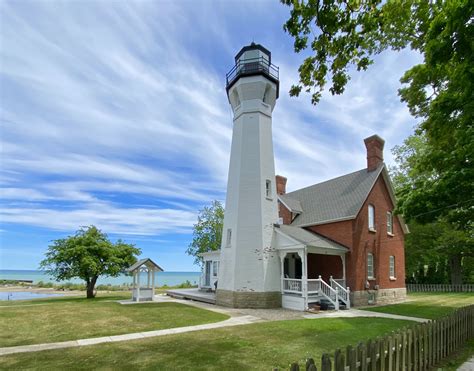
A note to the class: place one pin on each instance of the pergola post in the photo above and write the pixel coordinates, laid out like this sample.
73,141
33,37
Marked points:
153,281
148,277
138,285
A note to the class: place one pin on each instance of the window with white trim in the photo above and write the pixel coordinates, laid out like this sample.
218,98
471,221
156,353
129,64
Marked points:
229,237
371,217
392,266
389,222
268,188
370,266
215,268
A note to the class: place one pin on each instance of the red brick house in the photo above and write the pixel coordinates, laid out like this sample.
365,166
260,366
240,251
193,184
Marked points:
355,212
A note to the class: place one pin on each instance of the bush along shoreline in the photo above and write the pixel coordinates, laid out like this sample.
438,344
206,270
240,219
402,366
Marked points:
69,286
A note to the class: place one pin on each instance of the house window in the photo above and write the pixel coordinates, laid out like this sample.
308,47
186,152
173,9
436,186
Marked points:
215,268
268,188
389,222
370,266
392,266
371,218
229,237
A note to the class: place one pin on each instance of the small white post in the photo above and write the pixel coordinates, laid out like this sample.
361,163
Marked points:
153,283
148,278
138,285
337,298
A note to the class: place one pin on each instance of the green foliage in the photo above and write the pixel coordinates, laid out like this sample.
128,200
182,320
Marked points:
440,91
87,255
440,240
207,234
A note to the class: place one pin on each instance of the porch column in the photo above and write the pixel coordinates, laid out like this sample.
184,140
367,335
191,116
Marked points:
343,258
282,264
304,277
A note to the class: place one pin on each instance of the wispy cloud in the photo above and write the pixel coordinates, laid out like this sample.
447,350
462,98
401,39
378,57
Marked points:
115,114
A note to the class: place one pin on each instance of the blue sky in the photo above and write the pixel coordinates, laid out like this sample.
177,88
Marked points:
114,113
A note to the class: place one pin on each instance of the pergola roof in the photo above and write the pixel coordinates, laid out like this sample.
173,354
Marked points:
150,264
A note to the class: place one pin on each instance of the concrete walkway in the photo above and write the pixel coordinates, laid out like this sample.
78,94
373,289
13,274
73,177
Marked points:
235,321
467,366
238,317
351,313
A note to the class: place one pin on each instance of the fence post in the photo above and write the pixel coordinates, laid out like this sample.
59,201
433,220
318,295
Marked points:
351,358
362,356
325,362
398,351
339,361
373,355
310,366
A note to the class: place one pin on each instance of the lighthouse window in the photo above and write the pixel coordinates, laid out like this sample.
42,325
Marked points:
229,237
268,188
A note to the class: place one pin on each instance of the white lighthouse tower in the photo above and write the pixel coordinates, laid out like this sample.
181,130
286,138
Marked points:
249,271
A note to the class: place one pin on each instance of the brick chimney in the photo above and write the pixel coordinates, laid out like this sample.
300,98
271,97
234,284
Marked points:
281,184
374,145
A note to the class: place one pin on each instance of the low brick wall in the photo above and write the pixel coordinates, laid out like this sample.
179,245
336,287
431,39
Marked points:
248,299
382,296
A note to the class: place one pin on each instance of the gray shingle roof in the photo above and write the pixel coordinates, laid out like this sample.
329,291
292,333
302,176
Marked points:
310,239
148,262
294,205
336,199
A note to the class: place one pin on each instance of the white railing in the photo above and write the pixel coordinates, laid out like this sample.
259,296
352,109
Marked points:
341,281
330,293
292,285
314,286
344,293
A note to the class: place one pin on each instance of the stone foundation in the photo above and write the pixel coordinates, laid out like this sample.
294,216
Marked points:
248,299
382,296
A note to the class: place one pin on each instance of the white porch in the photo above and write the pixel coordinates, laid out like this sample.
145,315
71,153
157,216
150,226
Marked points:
313,269
210,270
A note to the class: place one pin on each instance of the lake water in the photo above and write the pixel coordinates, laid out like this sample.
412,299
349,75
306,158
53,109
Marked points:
161,278
25,295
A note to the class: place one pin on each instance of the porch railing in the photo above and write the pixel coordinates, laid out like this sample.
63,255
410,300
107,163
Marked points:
292,285
344,292
332,291
314,286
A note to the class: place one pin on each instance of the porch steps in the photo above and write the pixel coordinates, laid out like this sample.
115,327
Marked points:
325,304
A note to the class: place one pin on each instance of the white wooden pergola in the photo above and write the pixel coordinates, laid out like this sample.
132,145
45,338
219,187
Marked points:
139,291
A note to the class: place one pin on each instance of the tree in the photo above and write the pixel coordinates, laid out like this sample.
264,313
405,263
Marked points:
87,255
439,91
436,241
207,234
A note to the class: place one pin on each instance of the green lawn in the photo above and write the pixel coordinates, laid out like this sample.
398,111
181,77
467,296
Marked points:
70,318
257,346
427,305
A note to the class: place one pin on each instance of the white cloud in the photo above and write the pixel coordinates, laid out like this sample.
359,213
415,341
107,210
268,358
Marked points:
116,114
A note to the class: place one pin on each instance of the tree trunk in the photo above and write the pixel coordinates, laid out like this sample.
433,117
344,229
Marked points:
456,269
90,287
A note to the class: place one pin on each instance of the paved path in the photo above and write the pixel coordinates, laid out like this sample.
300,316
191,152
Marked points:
238,317
351,313
234,321
467,366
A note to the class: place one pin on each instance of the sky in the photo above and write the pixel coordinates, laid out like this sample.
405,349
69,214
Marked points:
115,114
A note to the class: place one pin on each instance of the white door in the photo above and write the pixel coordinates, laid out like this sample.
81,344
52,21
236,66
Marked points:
207,277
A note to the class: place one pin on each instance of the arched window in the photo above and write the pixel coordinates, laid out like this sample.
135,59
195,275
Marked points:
370,266
392,266
371,218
